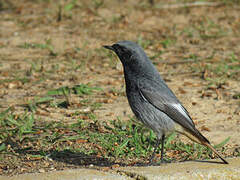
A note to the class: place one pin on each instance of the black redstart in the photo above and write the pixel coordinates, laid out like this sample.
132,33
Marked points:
151,100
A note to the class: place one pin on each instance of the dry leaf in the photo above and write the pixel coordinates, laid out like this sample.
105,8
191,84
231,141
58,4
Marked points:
115,166
204,128
194,103
81,141
187,84
181,90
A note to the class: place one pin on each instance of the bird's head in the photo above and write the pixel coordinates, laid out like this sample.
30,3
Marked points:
128,52
134,59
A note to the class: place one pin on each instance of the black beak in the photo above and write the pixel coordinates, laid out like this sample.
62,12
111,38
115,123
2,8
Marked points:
109,47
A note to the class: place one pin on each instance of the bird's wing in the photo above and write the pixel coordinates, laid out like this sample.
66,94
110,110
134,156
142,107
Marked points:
160,96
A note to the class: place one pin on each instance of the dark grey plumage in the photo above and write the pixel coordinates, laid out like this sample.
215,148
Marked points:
149,97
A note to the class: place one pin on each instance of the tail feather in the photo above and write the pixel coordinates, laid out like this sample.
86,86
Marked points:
203,140
214,150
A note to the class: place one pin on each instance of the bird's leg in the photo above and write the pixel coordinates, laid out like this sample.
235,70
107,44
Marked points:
162,148
154,152
155,149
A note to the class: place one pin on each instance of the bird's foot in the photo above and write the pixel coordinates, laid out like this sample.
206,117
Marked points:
163,161
141,164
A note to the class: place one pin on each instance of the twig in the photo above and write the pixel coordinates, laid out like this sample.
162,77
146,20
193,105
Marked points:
182,73
195,61
183,5
59,15
176,62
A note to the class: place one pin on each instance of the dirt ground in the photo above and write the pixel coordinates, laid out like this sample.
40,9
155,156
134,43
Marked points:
186,43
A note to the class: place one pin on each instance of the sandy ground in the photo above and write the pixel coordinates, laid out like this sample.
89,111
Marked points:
207,34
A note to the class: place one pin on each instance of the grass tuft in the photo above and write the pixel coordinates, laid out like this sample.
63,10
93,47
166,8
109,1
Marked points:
125,142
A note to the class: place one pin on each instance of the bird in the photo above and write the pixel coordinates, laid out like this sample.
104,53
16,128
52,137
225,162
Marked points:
152,101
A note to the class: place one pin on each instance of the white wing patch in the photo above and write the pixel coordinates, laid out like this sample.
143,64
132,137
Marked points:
181,109
143,96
